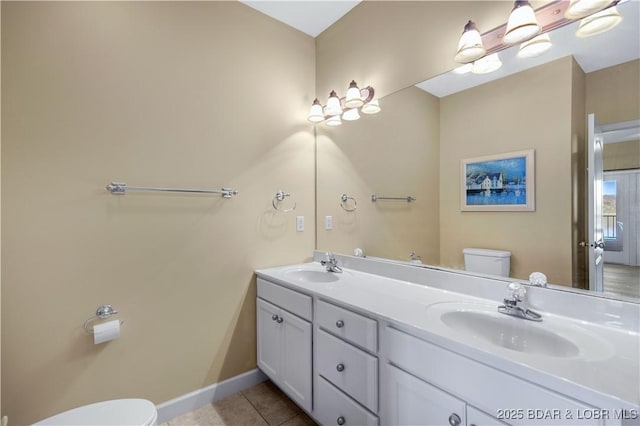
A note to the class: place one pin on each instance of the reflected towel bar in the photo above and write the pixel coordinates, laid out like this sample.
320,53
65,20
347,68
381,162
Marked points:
122,188
408,199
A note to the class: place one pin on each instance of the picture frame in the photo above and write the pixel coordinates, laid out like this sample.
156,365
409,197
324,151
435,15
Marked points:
501,182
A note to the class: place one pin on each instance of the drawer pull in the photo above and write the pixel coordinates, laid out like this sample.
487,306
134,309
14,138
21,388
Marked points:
274,317
455,420
341,421
279,320
339,323
340,367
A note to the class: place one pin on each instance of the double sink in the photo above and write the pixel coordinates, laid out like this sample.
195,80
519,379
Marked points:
481,323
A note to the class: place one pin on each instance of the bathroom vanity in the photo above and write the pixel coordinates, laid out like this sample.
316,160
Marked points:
384,343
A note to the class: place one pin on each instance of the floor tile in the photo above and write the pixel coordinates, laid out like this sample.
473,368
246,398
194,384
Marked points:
300,420
234,410
271,403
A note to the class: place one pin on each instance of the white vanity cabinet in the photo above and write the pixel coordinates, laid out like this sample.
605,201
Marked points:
284,340
427,384
346,385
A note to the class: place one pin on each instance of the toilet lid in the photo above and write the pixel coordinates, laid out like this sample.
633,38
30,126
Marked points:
138,412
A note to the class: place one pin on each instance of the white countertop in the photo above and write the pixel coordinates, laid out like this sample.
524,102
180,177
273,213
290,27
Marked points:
607,376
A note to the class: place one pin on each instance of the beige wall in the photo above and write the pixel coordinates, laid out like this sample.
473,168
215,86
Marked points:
613,93
394,154
158,94
531,109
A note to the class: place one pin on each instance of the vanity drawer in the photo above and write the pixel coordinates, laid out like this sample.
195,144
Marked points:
332,407
486,388
348,325
349,368
289,300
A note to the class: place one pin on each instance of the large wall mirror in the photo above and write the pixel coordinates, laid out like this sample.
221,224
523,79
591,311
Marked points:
415,146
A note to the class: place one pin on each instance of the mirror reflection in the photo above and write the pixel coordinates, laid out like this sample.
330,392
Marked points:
415,146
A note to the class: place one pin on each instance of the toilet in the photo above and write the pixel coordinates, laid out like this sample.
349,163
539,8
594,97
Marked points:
486,261
130,412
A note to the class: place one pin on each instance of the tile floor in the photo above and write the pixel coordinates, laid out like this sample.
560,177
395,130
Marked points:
260,405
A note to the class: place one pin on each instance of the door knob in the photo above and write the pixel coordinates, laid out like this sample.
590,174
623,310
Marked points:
340,367
274,317
341,420
339,323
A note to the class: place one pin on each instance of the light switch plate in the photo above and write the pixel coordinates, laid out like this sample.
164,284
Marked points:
328,223
299,223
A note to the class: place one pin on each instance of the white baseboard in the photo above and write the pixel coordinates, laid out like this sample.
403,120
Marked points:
198,398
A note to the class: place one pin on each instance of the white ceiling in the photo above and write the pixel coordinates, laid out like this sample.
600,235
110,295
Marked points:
309,16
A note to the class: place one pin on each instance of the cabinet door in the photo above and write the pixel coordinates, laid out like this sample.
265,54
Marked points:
414,402
476,417
269,339
295,375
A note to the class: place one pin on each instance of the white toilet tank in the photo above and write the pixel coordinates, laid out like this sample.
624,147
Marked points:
485,261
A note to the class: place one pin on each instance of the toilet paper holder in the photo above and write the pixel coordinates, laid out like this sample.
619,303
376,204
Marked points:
103,312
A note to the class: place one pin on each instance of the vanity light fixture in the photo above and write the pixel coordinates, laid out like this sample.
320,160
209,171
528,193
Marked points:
353,99
580,8
316,114
470,45
599,22
350,114
535,47
346,108
522,24
528,27
372,107
333,104
463,69
334,121
489,63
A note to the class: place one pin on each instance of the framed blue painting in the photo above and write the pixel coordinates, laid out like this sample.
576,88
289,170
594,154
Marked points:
502,182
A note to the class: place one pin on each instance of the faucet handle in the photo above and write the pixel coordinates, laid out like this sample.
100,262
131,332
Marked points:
517,291
538,279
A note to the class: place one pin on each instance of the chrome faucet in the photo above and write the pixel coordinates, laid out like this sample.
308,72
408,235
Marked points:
516,295
331,263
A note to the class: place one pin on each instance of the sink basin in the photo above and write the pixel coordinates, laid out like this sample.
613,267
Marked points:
311,276
511,333
553,337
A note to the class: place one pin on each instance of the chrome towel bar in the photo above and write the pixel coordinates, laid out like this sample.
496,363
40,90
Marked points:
122,188
408,199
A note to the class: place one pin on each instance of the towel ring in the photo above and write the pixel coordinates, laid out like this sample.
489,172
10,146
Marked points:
280,196
343,203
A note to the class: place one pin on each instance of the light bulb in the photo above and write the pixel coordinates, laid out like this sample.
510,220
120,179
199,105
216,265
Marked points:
350,114
315,113
371,107
599,23
334,121
470,46
353,99
333,104
487,64
580,8
522,24
535,47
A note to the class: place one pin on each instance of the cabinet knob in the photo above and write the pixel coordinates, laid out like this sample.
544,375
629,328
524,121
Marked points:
274,317
455,420
340,367
339,323
341,420
279,320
